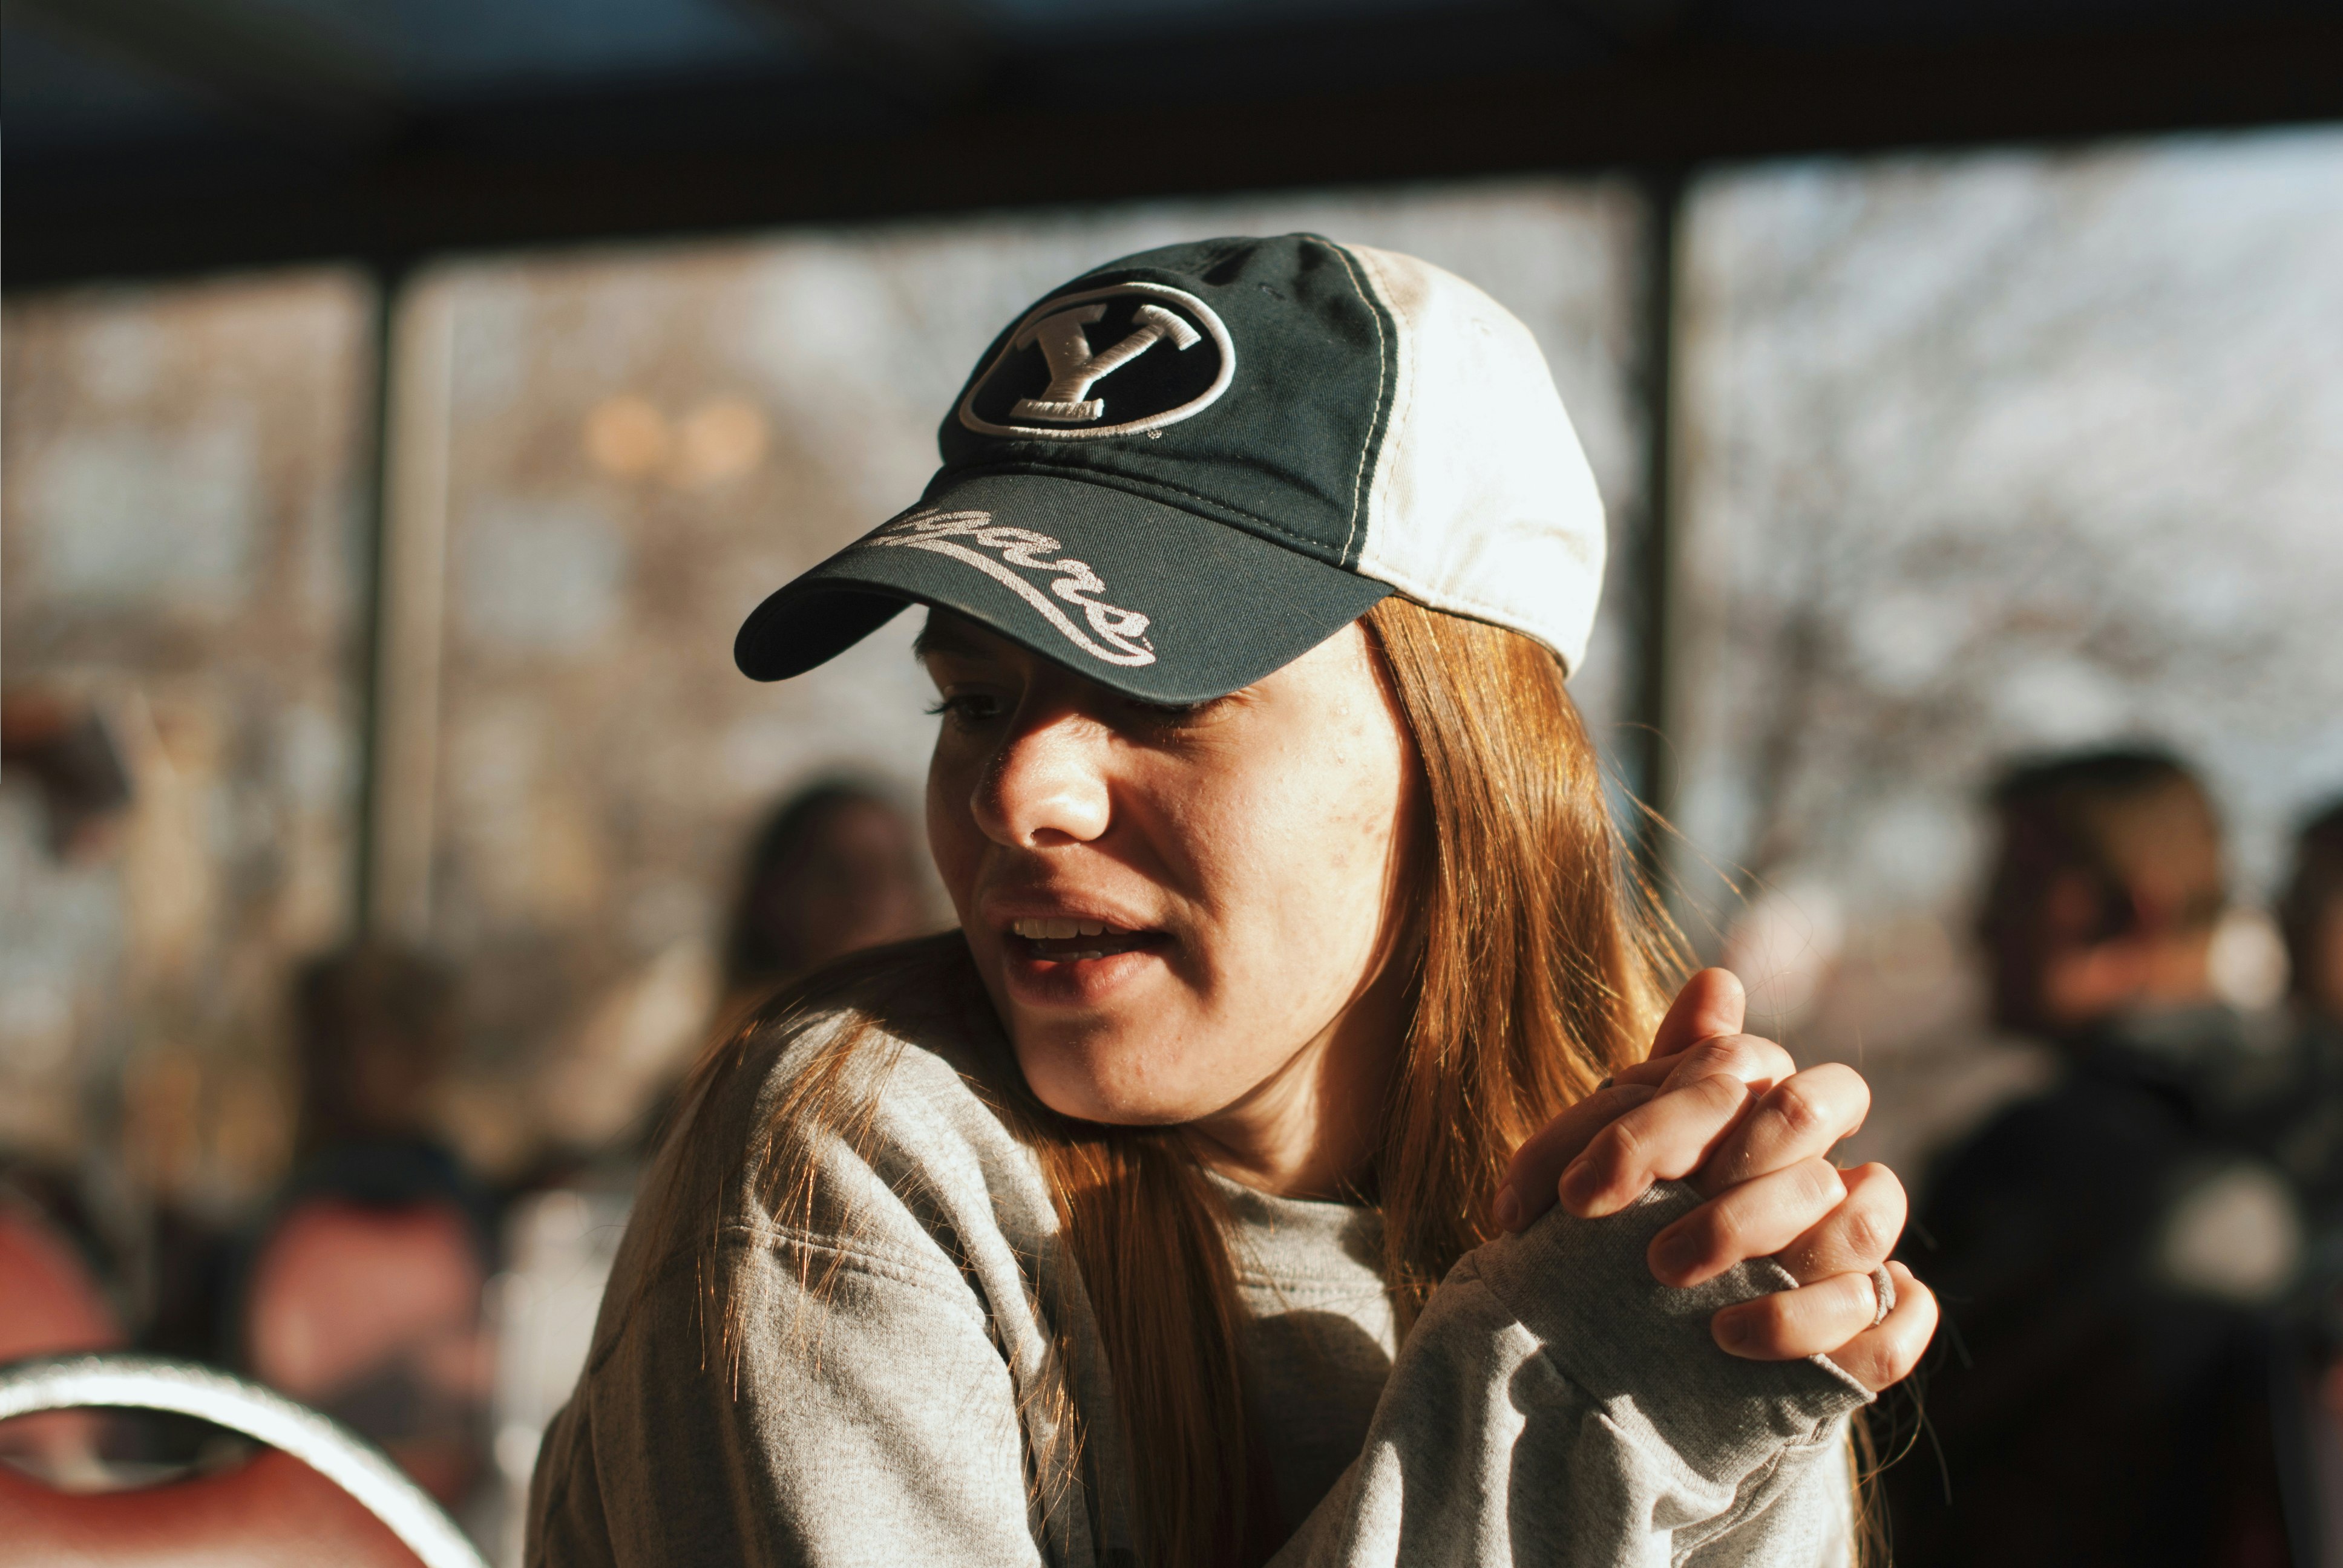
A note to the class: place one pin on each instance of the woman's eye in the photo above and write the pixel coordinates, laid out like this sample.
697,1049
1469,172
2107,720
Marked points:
1161,716
965,706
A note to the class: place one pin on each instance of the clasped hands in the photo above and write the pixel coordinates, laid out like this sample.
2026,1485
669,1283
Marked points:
1733,1115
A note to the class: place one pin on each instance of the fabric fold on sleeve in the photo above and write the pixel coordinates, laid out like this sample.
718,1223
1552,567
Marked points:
1557,1405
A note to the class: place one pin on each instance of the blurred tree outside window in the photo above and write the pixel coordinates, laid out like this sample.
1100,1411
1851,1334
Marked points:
1993,455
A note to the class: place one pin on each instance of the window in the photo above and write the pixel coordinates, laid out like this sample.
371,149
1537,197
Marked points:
182,632
1990,456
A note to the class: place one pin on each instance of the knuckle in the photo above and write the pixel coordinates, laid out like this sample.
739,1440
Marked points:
1730,1055
1819,1182
1867,1235
1630,1139
1700,1062
1720,1096
1720,1232
1804,1113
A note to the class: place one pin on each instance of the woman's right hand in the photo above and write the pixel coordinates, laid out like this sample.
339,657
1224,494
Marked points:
1734,1115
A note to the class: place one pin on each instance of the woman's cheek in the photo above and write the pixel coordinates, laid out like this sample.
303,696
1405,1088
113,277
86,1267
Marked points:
953,838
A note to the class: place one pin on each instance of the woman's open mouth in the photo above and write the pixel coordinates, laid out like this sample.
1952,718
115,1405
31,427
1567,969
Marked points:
1063,941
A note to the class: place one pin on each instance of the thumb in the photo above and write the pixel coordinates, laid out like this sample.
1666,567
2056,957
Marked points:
1711,1004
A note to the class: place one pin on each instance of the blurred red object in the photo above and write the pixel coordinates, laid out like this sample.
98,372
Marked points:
52,1304
270,1510
373,1315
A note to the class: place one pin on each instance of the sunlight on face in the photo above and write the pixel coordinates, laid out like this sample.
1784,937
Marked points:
1173,908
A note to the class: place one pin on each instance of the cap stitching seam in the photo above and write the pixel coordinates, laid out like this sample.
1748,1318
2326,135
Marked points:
1359,478
1403,398
1090,476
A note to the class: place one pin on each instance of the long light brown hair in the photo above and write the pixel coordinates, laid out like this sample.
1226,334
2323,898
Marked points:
1536,968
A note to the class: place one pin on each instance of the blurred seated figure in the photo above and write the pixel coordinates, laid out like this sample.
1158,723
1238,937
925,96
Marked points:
363,1298
2310,1112
2111,1253
835,869
50,1302
2305,1123
2313,921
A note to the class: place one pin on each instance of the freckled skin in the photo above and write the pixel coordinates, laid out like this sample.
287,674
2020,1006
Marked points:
1261,834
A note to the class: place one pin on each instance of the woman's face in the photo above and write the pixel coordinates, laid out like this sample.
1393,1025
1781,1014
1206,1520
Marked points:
1181,914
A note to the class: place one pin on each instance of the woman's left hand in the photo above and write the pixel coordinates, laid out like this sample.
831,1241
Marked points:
1733,1114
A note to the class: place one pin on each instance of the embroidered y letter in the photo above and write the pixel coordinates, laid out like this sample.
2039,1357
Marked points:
1073,368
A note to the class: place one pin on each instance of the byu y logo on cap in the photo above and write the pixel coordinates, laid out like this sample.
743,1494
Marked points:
1113,361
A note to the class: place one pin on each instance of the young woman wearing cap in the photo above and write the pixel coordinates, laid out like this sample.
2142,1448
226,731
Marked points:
1195,1201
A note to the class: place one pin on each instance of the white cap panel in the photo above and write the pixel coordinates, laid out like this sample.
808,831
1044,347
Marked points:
1482,502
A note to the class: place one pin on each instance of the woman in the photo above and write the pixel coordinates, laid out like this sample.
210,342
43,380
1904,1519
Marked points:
1190,1203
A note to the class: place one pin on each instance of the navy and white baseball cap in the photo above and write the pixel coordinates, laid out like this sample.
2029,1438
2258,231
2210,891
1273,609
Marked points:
1183,469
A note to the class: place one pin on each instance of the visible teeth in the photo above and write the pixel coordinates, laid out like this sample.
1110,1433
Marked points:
1055,930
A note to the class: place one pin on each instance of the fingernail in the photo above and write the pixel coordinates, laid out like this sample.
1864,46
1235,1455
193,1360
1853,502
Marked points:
1578,1185
1509,1209
1733,1332
1674,1255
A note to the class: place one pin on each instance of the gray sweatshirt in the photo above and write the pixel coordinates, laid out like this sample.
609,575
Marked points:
1553,1404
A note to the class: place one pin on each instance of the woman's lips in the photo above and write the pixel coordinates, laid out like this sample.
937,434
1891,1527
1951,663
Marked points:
1063,941
1057,961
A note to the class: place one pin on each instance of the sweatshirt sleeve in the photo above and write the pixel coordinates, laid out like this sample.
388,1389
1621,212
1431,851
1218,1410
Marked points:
871,1421
1557,1405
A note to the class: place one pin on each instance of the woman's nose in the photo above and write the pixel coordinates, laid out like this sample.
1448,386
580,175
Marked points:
1046,785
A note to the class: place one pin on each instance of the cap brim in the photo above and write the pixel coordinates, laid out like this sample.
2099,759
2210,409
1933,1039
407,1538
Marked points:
1147,599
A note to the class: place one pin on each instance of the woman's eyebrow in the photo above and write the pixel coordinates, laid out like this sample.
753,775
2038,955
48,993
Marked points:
947,638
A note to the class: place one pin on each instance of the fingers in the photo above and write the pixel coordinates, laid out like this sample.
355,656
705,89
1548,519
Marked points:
1711,1003
1856,1237
1742,1056
1813,1319
1796,1324
1804,1115
1667,1136
1753,1220
1530,1185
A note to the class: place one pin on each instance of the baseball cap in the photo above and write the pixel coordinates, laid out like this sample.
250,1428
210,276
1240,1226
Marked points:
1183,469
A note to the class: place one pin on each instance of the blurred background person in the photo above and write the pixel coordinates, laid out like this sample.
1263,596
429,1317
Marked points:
2310,919
363,1296
2303,1128
2111,1251
835,869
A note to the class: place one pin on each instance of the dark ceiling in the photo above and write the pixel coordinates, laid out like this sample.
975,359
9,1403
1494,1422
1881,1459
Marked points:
156,137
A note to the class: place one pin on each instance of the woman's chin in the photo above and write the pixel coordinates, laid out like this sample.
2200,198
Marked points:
1113,1073
1107,1098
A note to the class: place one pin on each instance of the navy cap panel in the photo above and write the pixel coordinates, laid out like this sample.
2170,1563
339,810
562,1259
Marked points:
1286,450
1149,599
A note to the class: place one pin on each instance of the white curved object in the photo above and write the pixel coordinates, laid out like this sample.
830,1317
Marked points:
150,1383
